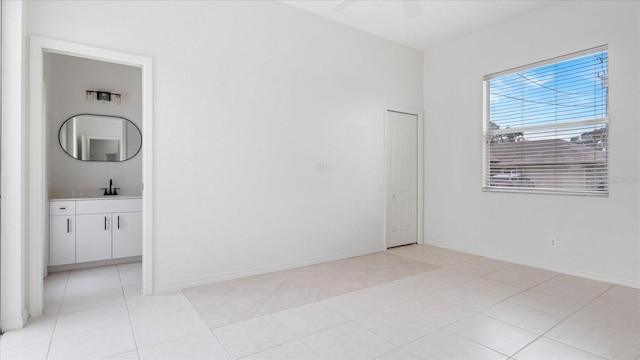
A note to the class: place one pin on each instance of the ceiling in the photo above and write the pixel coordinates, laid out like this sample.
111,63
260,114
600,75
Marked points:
416,23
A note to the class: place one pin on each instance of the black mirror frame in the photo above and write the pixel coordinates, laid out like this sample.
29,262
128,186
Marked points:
106,161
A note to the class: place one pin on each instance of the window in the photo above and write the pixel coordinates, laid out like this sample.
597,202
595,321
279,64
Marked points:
546,126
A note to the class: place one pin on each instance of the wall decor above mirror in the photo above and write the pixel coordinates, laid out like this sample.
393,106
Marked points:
100,138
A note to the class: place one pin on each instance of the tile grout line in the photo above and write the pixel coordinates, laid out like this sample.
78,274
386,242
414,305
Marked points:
349,320
253,314
475,312
210,306
319,302
298,337
221,343
551,328
486,307
566,319
459,284
126,303
316,300
66,284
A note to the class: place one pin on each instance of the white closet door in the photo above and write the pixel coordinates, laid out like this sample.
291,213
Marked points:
402,175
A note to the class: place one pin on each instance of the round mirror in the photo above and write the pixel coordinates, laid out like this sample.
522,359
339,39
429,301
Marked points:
100,138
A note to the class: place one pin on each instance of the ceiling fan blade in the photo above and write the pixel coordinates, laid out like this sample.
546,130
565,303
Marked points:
344,5
412,8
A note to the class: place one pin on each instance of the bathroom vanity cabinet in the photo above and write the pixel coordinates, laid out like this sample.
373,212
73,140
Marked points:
94,229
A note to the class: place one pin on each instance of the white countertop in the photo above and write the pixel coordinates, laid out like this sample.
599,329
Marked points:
94,197
79,193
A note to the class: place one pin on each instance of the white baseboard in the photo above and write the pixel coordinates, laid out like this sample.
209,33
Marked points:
577,272
236,274
553,267
15,323
90,264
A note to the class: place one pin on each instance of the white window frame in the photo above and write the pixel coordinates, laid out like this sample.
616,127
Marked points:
489,132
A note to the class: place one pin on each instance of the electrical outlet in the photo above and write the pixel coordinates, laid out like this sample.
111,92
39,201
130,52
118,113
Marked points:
553,242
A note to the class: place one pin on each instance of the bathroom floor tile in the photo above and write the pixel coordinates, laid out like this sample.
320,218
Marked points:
132,292
130,274
55,284
51,307
93,279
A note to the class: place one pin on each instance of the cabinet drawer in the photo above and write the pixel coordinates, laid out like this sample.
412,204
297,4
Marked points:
62,208
108,206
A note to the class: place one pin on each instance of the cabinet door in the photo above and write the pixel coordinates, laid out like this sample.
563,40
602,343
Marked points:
62,240
93,237
127,234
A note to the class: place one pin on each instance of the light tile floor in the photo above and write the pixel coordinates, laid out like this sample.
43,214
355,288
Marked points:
413,302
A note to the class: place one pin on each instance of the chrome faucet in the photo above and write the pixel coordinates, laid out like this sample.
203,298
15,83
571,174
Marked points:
111,190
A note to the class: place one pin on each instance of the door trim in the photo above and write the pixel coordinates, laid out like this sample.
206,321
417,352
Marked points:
420,170
37,160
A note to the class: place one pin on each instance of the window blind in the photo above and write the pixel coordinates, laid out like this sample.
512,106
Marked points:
546,126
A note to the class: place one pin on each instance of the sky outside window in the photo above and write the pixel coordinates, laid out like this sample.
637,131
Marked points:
563,92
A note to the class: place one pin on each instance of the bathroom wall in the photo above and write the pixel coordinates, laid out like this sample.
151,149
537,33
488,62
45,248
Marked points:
67,78
249,98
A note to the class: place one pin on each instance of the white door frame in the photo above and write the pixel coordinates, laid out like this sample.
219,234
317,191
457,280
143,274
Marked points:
420,172
37,159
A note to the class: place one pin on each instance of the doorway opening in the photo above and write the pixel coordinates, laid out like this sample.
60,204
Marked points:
38,156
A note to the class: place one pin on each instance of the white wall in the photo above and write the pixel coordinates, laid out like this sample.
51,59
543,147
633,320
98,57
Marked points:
67,79
249,98
13,234
597,237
